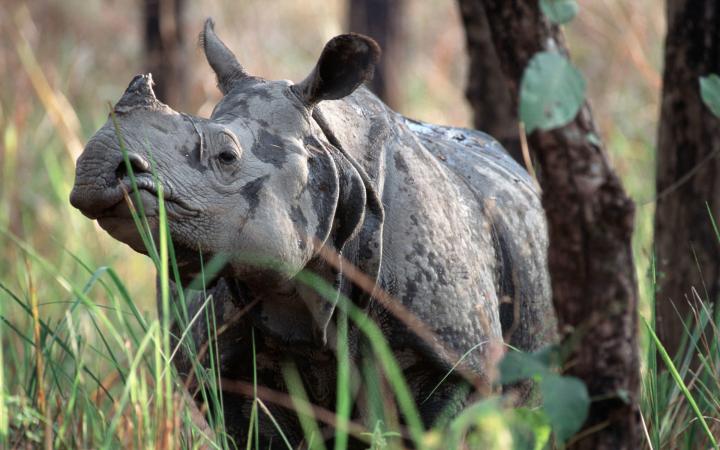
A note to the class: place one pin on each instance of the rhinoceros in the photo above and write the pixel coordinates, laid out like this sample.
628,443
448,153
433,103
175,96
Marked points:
441,222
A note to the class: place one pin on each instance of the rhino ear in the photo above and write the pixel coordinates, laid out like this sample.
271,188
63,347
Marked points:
222,60
346,62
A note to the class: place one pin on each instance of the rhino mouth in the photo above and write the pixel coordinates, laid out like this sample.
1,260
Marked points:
119,200
126,204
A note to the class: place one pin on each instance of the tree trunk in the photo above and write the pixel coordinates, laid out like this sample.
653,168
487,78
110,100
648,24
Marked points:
487,92
688,168
165,53
382,21
590,222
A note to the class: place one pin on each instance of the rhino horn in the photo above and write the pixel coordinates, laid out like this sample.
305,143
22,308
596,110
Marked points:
222,60
138,94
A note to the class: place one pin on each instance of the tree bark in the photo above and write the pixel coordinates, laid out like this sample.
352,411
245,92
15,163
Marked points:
590,222
382,21
486,91
688,168
165,53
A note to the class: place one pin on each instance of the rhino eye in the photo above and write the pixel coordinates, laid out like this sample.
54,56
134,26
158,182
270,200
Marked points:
227,157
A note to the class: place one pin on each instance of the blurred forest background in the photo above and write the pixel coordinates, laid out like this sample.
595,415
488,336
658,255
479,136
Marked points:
63,62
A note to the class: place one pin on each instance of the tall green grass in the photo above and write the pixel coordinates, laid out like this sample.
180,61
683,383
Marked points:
113,384
681,393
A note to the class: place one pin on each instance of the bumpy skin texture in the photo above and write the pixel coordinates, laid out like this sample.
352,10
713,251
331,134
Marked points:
442,219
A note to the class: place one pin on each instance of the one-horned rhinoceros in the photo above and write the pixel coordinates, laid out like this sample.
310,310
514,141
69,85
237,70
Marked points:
447,228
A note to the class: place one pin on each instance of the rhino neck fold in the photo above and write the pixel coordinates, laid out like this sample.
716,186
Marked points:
358,146
370,235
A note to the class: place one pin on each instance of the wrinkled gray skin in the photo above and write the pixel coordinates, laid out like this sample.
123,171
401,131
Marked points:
440,218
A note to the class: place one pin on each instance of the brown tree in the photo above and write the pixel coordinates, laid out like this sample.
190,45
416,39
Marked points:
486,91
688,168
590,224
165,53
382,21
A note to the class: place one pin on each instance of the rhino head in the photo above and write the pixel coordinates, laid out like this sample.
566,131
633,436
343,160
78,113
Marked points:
257,179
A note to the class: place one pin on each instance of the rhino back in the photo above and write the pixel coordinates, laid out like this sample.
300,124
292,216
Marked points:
509,200
464,240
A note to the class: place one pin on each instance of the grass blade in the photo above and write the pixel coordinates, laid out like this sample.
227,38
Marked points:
680,383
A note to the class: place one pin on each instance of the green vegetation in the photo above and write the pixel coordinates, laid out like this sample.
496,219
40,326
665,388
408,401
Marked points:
85,360
551,93
559,11
101,376
710,92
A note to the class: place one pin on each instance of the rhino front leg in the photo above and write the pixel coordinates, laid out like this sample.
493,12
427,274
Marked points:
437,400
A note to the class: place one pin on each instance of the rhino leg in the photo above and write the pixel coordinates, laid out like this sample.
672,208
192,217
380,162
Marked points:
439,402
526,312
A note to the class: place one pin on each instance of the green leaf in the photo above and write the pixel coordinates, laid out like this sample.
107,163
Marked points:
559,11
517,366
566,403
534,420
710,93
550,356
624,395
594,139
551,92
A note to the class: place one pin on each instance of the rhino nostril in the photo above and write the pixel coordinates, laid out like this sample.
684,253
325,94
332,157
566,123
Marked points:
137,163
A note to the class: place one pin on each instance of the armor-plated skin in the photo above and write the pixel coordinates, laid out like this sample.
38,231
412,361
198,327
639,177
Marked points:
440,218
